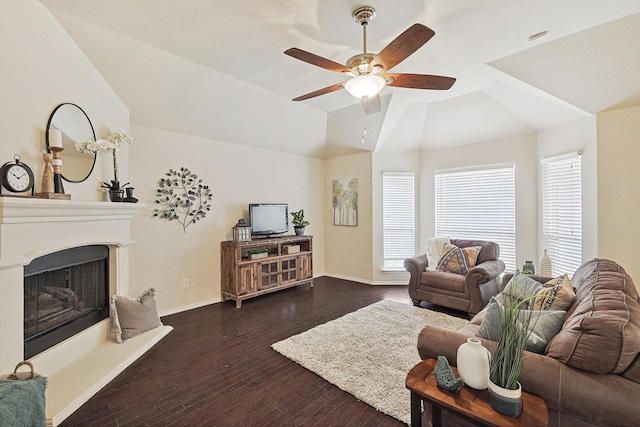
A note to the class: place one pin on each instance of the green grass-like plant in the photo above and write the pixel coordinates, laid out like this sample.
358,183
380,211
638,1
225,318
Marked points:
257,251
507,354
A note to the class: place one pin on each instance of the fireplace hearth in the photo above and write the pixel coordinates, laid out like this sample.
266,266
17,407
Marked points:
64,293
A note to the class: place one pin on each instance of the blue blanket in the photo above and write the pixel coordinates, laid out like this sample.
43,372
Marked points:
22,402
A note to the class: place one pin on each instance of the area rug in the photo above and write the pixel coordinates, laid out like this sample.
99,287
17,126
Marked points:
368,353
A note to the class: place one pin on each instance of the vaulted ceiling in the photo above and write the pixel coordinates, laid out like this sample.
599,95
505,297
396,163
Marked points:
216,68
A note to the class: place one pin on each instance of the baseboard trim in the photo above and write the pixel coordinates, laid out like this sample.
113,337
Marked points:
366,282
189,307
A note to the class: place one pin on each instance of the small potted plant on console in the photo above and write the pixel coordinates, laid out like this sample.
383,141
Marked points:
299,222
258,253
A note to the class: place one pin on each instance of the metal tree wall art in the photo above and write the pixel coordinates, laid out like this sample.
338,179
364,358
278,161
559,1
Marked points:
183,198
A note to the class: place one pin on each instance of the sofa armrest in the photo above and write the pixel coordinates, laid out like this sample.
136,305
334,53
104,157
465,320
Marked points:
601,399
415,266
485,272
482,282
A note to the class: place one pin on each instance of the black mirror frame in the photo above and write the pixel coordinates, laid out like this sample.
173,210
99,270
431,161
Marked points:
92,131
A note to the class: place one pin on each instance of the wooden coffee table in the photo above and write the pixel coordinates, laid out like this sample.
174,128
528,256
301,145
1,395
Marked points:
469,403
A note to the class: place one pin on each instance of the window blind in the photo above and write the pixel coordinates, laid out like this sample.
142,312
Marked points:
562,211
478,204
398,219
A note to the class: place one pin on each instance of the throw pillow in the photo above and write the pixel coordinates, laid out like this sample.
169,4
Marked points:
522,287
435,246
556,294
543,325
458,260
132,317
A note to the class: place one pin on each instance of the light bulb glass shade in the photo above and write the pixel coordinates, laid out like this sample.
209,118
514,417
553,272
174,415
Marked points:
364,86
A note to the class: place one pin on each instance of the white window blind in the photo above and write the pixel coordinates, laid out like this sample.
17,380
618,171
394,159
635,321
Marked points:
479,204
562,211
398,219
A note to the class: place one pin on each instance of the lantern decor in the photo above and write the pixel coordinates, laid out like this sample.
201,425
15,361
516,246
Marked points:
241,231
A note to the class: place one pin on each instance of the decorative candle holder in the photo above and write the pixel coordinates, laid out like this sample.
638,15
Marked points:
52,183
58,188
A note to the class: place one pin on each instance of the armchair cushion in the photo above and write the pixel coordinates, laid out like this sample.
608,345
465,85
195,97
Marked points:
458,260
445,280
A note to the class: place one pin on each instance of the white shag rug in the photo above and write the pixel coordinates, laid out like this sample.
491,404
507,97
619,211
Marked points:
368,353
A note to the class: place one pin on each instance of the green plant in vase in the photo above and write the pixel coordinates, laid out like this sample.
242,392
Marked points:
507,354
299,223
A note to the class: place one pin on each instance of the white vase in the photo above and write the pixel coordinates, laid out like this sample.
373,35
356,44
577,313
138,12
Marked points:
545,264
473,364
505,401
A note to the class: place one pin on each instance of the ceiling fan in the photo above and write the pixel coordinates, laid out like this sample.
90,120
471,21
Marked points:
370,72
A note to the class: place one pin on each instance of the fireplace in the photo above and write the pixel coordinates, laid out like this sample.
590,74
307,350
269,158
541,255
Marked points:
64,293
32,229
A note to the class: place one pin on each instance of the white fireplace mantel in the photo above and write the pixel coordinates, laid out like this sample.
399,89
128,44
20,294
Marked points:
79,366
31,227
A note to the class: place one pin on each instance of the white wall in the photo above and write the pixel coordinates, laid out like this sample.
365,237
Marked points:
41,67
520,151
619,188
576,136
163,254
349,249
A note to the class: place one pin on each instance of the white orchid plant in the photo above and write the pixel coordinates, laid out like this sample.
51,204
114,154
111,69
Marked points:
110,145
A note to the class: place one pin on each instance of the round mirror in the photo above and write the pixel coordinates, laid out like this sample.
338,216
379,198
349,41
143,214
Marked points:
75,126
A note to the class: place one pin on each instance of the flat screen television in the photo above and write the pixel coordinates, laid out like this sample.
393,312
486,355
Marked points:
269,218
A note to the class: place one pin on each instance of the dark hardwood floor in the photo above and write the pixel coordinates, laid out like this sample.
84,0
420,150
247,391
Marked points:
217,368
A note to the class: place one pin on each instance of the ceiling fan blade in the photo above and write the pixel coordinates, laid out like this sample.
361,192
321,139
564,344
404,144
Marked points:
371,105
316,60
319,92
403,46
419,81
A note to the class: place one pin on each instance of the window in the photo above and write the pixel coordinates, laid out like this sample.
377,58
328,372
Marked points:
398,219
562,211
479,204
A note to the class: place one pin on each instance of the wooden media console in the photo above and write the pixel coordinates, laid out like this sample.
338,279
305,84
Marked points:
288,262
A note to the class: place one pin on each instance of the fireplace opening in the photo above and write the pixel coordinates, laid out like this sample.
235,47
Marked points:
64,293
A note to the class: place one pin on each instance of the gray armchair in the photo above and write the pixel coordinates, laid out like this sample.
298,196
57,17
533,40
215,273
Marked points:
470,292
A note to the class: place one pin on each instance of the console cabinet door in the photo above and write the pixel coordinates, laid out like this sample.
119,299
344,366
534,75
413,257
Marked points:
306,269
268,275
247,279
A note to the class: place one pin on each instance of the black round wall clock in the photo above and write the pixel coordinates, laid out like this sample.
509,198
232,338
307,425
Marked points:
17,177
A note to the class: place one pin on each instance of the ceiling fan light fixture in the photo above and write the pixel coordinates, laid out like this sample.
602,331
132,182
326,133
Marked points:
368,85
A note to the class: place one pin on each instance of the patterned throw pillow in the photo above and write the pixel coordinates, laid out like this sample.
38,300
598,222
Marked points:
556,294
458,260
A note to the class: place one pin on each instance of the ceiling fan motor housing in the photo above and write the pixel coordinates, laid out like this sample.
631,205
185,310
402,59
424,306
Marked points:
359,64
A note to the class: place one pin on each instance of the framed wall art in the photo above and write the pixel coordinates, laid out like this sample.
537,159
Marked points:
345,202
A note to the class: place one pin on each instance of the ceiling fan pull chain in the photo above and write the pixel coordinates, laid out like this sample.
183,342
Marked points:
364,113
